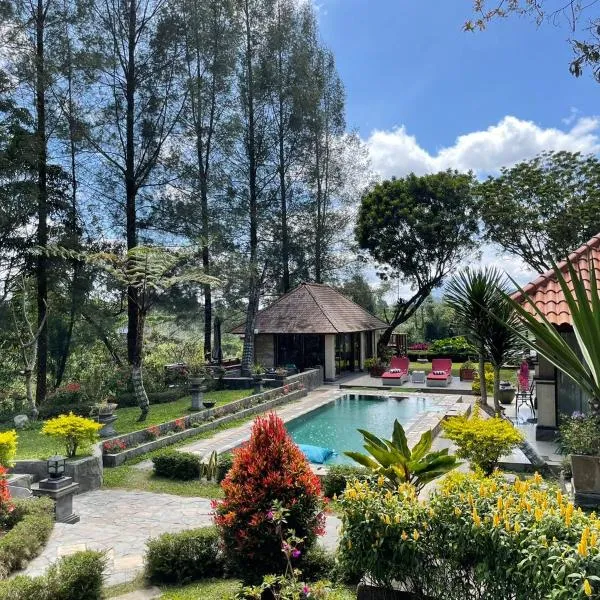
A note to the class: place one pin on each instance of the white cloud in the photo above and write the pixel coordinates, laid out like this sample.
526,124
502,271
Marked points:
398,153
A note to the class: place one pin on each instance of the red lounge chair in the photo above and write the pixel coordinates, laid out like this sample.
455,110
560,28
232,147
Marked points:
441,373
397,372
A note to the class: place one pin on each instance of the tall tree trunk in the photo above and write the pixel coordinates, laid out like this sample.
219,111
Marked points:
254,283
205,226
482,381
318,229
497,407
285,243
66,345
136,370
133,351
42,193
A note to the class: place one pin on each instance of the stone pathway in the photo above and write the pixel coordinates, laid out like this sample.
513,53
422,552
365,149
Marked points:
121,522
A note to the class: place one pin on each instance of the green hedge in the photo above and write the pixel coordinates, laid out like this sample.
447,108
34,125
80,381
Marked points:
334,482
458,357
30,525
182,466
185,556
75,577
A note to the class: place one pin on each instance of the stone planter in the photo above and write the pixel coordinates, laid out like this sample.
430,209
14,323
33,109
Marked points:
257,381
208,404
507,395
586,480
467,374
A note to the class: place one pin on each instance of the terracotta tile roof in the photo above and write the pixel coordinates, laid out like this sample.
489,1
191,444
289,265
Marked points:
546,292
314,308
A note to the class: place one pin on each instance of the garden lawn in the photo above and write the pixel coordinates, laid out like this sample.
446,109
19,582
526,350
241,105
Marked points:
33,444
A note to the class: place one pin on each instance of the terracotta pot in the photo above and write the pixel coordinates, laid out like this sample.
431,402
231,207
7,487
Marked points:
467,374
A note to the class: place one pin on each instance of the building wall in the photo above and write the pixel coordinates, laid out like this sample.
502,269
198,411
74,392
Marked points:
264,350
329,374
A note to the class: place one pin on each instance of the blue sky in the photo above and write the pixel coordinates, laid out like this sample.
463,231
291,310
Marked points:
426,96
408,62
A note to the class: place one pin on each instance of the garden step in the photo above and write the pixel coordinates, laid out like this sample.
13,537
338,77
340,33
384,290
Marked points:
145,594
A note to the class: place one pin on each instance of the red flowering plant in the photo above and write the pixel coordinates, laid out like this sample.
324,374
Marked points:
153,432
114,446
6,504
270,470
179,424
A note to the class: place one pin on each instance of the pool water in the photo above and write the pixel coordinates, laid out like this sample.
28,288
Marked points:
335,424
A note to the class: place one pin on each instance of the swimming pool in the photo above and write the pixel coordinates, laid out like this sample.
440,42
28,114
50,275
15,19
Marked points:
335,424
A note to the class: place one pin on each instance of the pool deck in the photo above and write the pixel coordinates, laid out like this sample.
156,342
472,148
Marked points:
365,381
232,438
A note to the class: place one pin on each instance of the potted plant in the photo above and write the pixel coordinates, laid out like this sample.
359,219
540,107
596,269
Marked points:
467,371
281,373
104,411
375,367
506,392
196,372
580,439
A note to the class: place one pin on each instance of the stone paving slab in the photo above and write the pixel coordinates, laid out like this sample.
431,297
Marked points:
121,522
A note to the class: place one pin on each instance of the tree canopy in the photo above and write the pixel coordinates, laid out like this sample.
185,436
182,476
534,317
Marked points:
543,209
418,229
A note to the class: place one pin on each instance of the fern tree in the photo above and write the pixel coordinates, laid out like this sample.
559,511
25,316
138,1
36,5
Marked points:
151,272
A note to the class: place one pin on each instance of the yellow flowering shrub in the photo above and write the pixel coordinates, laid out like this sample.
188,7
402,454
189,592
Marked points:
489,381
8,447
73,431
476,536
482,441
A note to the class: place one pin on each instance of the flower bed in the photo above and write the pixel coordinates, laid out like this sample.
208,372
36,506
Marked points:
476,536
165,434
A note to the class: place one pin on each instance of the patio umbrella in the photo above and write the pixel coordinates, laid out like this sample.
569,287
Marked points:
217,352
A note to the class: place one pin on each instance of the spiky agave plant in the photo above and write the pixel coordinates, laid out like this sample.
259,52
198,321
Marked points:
398,464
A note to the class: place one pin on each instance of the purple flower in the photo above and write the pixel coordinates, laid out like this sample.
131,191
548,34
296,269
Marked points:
270,515
577,415
306,591
296,553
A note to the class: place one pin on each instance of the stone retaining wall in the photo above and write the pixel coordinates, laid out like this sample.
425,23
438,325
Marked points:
220,416
87,472
310,379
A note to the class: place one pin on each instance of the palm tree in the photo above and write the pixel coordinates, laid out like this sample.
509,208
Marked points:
473,295
544,338
503,336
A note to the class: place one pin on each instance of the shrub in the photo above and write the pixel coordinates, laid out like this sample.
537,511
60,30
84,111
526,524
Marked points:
185,556
74,577
77,577
125,399
489,381
177,465
317,563
6,503
452,345
29,526
482,441
269,469
334,482
580,434
224,463
8,447
179,424
479,537
73,431
283,588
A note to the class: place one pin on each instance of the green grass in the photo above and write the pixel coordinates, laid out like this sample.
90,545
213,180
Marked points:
211,589
160,413
127,477
33,444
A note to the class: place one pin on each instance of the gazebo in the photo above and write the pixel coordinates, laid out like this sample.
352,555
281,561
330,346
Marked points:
312,325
